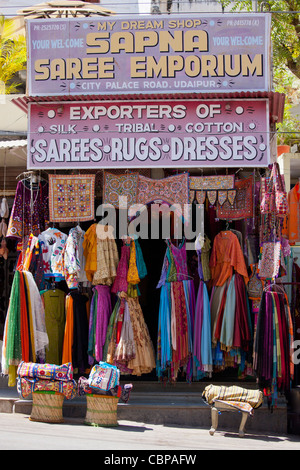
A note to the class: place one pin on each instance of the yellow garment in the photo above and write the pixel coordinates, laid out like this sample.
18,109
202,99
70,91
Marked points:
12,375
132,274
90,252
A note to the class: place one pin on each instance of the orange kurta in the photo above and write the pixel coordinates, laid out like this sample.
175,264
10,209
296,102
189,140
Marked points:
291,225
226,257
69,327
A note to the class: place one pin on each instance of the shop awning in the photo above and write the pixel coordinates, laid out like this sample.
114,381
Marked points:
64,9
276,100
13,152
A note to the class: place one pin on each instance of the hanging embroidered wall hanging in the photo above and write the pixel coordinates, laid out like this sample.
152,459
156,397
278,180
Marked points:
217,188
171,190
71,198
120,186
242,206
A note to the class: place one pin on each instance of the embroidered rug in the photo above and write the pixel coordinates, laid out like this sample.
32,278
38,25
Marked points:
171,190
215,188
120,186
71,198
242,206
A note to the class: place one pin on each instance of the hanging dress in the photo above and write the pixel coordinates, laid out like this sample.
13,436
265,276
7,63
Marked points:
30,211
179,292
100,312
52,243
202,346
107,261
120,283
128,342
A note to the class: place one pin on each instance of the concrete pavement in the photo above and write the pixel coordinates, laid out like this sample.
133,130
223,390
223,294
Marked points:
17,432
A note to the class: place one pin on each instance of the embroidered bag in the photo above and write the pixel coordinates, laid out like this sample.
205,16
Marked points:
267,204
46,371
254,286
269,262
281,200
104,376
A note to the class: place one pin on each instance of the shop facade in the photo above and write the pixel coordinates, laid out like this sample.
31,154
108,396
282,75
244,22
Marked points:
124,116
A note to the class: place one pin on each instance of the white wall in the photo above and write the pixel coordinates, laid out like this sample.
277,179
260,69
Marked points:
187,6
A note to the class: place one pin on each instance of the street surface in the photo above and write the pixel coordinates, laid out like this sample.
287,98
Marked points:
17,432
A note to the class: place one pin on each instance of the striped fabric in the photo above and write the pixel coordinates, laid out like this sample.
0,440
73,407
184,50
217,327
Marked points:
234,393
237,405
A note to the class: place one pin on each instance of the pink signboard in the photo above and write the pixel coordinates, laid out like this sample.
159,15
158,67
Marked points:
136,134
151,54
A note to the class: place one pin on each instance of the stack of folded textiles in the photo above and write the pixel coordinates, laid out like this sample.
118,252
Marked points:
33,377
104,380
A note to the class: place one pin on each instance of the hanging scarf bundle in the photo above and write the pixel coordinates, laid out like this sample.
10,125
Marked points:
176,315
100,312
273,345
232,333
25,337
202,346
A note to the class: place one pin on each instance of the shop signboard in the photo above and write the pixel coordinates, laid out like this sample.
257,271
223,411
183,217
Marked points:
151,134
152,54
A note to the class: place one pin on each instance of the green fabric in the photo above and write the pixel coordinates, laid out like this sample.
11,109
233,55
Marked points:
14,346
110,329
93,312
55,319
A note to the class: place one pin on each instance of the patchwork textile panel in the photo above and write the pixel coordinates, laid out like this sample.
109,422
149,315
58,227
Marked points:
46,371
242,206
27,386
71,198
217,188
172,190
117,186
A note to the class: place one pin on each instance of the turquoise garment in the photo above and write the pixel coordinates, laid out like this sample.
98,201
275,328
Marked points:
140,262
202,348
227,330
206,350
188,312
164,349
92,327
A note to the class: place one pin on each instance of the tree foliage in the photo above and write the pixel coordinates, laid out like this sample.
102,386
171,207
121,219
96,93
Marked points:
12,56
285,35
285,30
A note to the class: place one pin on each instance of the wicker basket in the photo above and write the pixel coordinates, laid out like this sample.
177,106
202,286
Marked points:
47,407
101,410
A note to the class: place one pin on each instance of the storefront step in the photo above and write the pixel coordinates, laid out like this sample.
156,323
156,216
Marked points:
176,410
171,405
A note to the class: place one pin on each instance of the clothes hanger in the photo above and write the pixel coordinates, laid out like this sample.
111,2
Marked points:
31,176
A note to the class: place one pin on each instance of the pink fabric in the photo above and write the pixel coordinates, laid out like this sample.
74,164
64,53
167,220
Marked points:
120,284
179,256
